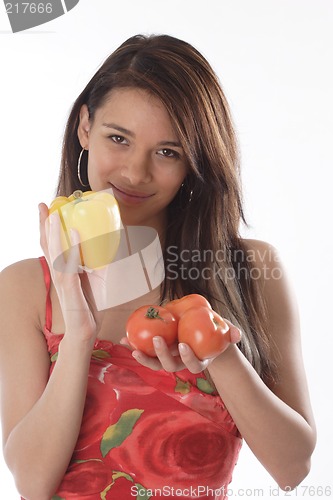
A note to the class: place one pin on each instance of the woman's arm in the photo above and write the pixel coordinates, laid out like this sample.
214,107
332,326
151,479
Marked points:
41,417
276,421
277,433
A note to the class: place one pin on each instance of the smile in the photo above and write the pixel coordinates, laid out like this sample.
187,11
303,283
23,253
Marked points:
130,196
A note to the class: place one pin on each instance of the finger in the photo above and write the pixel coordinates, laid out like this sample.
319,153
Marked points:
53,239
235,333
74,256
43,215
174,349
148,361
99,286
70,281
192,363
169,362
124,341
64,272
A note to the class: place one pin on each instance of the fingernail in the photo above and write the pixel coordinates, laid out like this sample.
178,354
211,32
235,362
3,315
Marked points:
157,341
182,348
135,354
235,336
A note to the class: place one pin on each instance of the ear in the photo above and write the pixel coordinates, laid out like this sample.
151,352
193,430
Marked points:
84,127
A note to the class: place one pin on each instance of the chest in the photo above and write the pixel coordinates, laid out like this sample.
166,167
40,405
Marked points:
112,321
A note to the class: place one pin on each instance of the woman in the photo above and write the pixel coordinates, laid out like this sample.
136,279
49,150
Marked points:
83,415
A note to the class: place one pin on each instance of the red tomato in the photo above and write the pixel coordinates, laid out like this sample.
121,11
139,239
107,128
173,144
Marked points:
148,322
204,331
179,306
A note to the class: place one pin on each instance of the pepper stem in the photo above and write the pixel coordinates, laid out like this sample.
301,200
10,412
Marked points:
78,194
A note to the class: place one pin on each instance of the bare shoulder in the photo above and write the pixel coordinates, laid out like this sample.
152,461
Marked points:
272,273
260,251
257,245
23,268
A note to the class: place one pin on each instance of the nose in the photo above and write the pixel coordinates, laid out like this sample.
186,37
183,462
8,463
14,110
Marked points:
137,169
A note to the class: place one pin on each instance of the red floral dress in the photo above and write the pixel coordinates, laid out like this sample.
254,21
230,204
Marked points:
146,434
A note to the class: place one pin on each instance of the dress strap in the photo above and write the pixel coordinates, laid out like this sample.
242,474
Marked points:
47,280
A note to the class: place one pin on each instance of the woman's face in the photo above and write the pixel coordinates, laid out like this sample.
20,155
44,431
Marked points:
134,150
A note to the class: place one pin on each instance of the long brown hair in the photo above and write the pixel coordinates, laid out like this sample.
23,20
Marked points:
205,216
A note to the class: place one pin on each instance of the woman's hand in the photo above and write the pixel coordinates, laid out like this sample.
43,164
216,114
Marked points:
68,279
177,357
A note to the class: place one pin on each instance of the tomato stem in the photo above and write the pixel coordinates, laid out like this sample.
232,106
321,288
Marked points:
152,313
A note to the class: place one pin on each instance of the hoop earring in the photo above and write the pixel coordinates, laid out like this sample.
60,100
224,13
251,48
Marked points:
183,193
79,168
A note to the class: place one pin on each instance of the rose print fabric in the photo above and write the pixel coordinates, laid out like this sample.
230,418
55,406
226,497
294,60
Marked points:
146,434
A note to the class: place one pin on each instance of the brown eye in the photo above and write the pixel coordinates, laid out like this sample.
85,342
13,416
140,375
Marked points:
118,139
169,153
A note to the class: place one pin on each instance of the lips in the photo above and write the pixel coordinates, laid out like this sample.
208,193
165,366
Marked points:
128,194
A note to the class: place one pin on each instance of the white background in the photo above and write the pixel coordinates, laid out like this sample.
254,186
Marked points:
274,59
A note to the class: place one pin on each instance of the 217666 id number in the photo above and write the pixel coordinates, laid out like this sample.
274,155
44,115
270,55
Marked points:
307,491
29,8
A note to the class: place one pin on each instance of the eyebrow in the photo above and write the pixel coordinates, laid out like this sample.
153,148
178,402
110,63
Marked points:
119,128
131,134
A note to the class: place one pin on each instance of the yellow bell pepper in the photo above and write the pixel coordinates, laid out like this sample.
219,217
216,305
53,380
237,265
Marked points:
96,217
